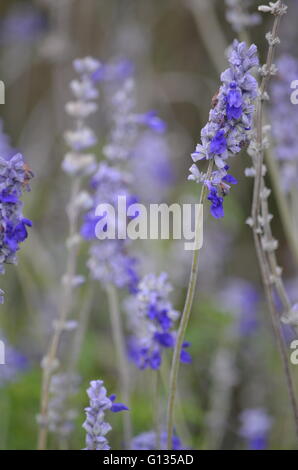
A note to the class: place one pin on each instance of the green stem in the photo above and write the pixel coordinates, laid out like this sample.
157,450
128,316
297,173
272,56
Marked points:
183,326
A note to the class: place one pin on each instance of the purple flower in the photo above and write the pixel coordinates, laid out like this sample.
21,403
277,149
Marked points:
148,441
153,121
151,320
117,407
15,364
255,426
216,208
218,144
81,138
229,122
110,260
234,102
185,356
61,415
114,71
16,234
165,339
95,426
14,178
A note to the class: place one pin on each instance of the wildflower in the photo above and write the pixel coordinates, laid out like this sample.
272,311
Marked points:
110,260
229,124
95,424
61,416
152,318
126,122
148,441
216,208
14,178
81,138
255,427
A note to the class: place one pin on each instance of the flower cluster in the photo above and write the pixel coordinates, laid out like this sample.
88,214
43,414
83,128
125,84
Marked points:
230,121
255,427
61,417
126,122
14,179
110,260
82,137
95,425
238,15
285,122
148,441
151,319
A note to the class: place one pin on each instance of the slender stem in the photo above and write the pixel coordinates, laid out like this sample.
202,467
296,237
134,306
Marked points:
267,260
276,326
183,326
259,121
184,432
51,356
123,369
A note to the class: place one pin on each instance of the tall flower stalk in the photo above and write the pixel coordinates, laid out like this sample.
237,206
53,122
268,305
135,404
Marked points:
77,163
227,131
261,218
15,177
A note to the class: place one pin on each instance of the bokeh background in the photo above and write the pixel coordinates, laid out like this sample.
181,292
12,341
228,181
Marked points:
178,51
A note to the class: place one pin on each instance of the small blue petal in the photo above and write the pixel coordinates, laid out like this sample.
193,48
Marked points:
116,407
